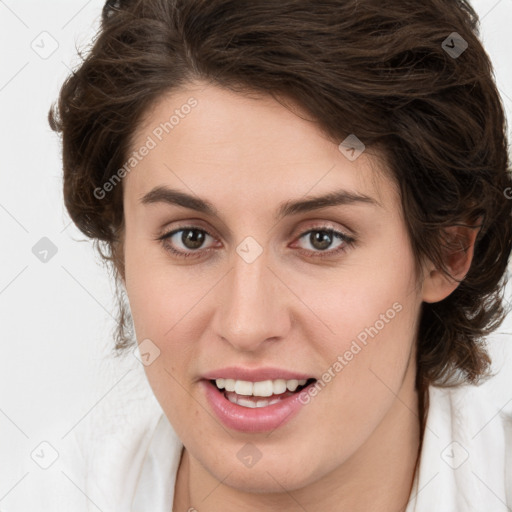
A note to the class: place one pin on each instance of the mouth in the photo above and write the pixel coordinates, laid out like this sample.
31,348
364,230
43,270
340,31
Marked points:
259,394
256,407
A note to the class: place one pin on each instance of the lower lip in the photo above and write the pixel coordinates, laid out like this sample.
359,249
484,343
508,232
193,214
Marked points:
246,419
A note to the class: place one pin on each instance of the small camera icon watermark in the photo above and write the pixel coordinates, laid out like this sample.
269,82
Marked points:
45,45
146,352
455,455
352,147
44,455
455,45
44,250
249,455
249,250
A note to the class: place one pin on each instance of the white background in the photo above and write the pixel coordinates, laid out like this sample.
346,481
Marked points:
57,317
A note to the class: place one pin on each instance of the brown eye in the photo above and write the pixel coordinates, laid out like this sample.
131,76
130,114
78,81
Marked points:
192,238
186,241
321,239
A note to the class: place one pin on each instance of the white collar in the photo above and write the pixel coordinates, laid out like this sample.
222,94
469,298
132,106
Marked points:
466,459
155,486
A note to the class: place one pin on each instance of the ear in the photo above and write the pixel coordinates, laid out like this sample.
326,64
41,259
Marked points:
458,255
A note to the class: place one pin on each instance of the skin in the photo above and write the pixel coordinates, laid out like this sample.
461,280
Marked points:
360,434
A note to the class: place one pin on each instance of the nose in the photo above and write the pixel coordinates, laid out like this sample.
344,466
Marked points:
253,305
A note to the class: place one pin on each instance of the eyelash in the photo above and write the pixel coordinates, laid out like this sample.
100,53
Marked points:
348,242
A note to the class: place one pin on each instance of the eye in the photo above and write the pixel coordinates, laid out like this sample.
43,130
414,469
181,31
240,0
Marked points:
320,239
191,239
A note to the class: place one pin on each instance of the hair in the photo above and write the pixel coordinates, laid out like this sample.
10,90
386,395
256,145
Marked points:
379,70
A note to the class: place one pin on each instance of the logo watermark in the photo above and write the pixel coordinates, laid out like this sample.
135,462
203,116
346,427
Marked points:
157,135
354,349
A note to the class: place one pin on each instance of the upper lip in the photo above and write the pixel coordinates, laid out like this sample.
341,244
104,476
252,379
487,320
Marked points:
254,374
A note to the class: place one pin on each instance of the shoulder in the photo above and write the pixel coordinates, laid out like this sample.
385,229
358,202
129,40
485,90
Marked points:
108,448
466,458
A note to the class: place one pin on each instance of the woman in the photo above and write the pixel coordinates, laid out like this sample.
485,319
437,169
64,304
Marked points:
305,202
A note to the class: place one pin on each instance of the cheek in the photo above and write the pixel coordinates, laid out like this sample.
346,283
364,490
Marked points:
154,289
374,293
159,311
366,357
370,309
162,299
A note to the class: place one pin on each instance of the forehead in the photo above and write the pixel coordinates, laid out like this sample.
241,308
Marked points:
214,142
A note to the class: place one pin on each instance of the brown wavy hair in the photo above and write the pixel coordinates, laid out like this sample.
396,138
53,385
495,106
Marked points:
376,69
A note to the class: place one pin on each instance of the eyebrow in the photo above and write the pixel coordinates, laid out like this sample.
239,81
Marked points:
162,194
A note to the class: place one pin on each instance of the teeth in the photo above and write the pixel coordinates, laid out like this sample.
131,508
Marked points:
263,388
249,403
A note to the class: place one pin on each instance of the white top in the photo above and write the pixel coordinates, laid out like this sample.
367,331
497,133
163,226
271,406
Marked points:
130,463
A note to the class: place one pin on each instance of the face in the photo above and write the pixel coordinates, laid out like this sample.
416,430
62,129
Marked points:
328,292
